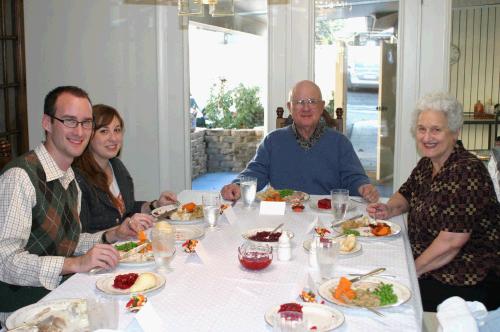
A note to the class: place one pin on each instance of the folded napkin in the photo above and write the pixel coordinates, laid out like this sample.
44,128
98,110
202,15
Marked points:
457,315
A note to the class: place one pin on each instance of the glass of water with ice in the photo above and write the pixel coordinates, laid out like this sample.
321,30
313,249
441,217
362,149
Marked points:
211,208
163,243
248,187
340,203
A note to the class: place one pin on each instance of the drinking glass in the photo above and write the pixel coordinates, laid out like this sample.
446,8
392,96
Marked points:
248,187
103,313
340,203
327,251
211,208
289,321
163,243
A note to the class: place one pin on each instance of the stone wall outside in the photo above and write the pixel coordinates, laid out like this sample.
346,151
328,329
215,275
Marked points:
223,150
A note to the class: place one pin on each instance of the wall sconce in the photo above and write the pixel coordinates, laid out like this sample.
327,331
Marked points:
216,8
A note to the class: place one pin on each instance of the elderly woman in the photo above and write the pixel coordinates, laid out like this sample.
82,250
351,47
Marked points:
106,185
453,213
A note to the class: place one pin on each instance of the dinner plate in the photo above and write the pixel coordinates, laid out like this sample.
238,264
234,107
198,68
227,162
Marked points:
365,231
162,209
313,204
246,235
136,260
260,196
402,292
307,246
73,311
325,318
105,284
183,233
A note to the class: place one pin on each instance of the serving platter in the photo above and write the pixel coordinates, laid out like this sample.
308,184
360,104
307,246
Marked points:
323,317
188,232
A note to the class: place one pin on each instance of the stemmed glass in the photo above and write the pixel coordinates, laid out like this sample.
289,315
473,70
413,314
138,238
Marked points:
163,243
327,251
340,203
211,209
248,186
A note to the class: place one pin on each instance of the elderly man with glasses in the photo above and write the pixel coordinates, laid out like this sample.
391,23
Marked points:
306,156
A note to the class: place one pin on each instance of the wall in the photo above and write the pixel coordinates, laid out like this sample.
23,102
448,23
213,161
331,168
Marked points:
198,153
230,150
117,52
476,34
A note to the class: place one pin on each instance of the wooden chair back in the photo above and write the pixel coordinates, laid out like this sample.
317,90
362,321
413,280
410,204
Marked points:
5,152
337,124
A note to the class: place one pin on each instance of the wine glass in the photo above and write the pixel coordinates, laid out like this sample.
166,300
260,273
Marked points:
163,243
211,208
327,251
340,203
248,187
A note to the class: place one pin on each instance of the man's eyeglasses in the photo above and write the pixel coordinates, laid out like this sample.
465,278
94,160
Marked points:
308,101
72,123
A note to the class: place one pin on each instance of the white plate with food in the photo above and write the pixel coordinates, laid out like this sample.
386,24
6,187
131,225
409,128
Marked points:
282,195
325,205
186,214
357,247
321,316
144,282
369,228
72,314
263,235
374,292
143,258
183,233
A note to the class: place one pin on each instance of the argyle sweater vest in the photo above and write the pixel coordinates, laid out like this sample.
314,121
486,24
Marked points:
55,228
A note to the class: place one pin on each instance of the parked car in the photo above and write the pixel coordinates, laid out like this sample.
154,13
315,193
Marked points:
363,75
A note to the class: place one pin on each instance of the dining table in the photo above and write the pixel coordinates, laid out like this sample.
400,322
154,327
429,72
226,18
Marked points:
216,293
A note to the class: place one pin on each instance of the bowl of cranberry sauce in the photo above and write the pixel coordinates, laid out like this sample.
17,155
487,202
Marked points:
255,256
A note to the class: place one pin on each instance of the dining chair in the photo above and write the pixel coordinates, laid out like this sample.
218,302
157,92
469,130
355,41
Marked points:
336,124
5,152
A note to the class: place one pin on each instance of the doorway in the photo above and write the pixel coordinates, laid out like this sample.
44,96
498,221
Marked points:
355,67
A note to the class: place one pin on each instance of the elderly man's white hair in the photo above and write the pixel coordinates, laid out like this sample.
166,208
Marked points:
440,102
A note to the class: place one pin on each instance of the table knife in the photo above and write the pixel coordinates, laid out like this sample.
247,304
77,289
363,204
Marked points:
358,278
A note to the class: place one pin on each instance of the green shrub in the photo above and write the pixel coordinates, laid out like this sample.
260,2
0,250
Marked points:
234,109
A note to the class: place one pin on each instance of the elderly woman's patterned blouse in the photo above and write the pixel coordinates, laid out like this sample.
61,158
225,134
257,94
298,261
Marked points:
459,199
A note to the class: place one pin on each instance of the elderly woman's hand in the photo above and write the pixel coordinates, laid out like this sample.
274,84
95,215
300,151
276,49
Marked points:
378,210
166,198
369,193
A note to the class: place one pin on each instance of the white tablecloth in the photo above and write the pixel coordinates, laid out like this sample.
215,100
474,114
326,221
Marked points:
222,296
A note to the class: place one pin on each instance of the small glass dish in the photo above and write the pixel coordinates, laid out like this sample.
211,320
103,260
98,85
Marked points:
255,256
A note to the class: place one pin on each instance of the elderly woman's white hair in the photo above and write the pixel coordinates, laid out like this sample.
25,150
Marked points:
440,102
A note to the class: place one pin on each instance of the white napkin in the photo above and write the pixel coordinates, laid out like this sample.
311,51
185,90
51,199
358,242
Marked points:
457,315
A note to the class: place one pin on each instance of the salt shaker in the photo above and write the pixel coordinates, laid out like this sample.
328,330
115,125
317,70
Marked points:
284,247
313,262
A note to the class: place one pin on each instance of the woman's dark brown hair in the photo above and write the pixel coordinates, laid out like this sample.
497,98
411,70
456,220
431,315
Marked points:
103,115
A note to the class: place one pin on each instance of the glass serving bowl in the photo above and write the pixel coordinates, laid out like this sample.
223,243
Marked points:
255,256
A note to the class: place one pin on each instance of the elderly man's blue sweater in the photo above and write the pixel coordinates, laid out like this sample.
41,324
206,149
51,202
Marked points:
330,164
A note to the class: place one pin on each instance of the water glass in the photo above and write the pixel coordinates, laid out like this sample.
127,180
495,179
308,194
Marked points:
289,321
340,203
103,313
163,248
248,187
327,251
211,208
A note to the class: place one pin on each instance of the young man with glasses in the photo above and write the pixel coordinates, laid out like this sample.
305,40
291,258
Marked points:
40,230
306,155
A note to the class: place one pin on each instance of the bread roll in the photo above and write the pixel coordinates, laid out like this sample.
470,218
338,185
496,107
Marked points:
348,243
144,282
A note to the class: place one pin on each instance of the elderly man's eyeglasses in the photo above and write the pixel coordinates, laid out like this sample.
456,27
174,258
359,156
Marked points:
72,123
308,101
